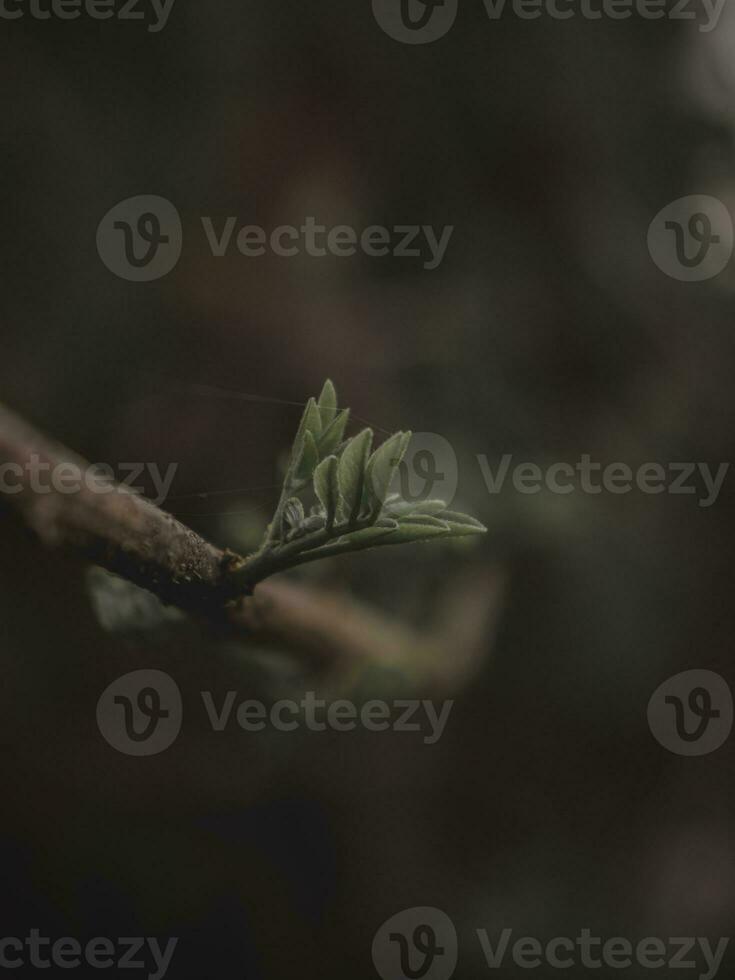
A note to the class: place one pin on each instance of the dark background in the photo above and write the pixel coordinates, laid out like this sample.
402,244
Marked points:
547,332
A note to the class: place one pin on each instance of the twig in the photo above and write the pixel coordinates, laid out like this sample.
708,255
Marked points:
111,526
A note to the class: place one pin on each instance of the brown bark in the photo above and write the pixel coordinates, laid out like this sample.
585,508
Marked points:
107,524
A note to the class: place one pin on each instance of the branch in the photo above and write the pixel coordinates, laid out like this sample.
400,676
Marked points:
111,526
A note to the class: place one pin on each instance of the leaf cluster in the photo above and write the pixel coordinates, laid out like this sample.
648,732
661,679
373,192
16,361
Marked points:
336,495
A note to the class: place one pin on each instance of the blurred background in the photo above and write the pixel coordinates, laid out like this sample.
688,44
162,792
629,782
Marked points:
546,332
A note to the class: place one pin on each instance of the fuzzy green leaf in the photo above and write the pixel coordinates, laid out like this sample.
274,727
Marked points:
351,474
462,523
313,419
327,404
309,458
452,523
426,520
293,512
402,508
314,523
381,468
310,422
292,516
334,433
365,538
327,488
413,531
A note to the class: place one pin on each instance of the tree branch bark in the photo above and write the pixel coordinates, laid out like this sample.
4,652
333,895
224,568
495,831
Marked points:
108,524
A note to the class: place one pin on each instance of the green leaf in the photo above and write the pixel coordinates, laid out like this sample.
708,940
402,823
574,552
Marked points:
327,404
313,419
463,523
293,512
311,524
351,474
334,433
410,532
453,523
309,458
423,520
310,422
381,468
327,488
402,508
365,538
429,506
292,516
